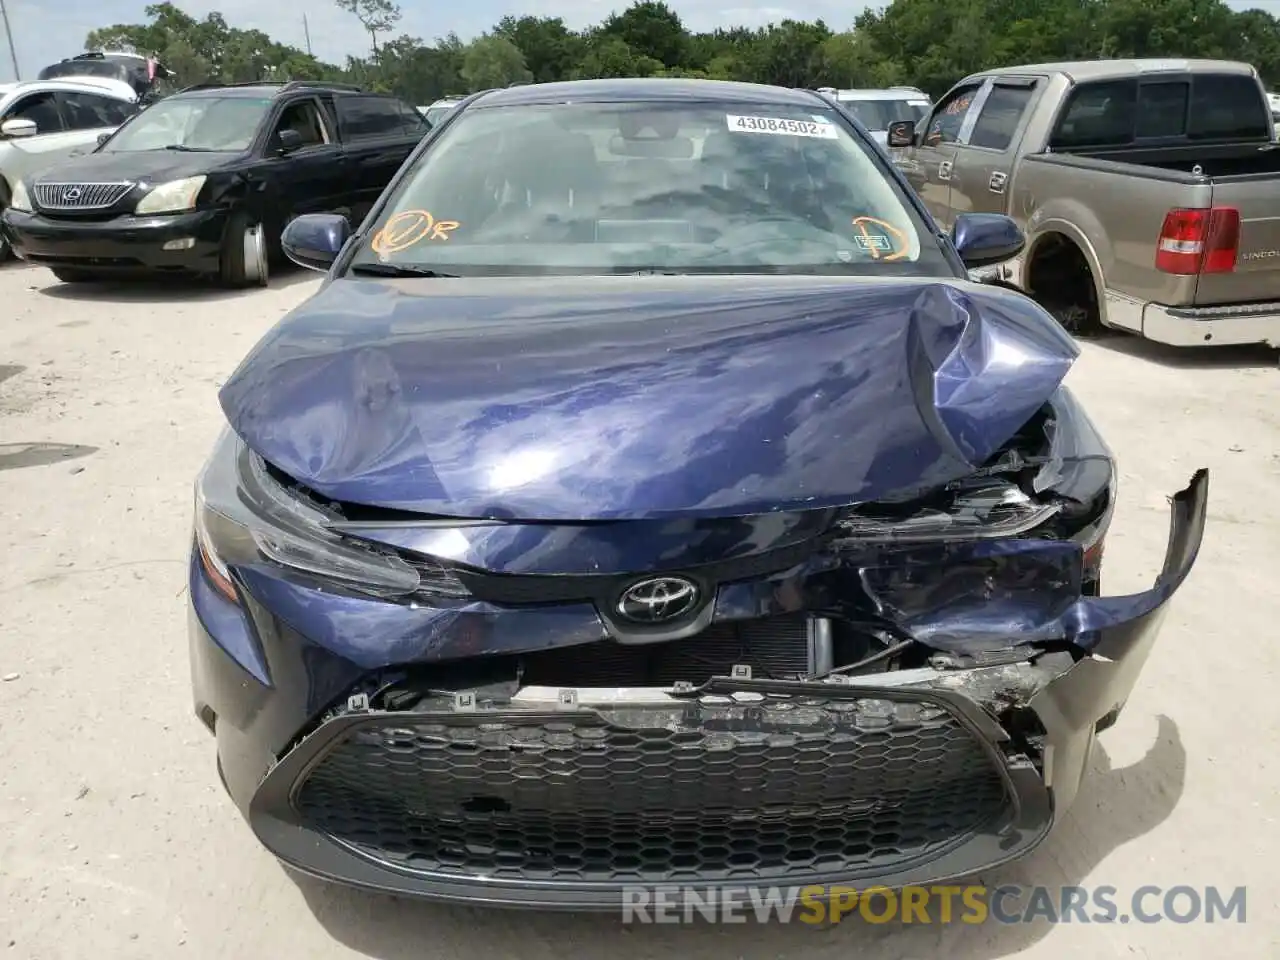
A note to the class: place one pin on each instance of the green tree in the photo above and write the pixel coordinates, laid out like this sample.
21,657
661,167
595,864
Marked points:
493,61
376,16
651,29
612,57
551,50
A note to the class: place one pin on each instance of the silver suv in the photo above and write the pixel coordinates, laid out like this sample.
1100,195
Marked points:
45,122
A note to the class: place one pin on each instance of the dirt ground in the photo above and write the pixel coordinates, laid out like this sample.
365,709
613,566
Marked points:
118,843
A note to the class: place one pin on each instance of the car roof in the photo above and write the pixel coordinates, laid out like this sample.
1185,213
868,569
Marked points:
1082,70
101,85
271,90
653,88
887,94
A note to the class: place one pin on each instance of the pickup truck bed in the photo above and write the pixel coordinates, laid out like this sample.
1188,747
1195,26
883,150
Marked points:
1128,194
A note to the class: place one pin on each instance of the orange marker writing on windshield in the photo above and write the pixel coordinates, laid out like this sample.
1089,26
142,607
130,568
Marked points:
862,223
409,227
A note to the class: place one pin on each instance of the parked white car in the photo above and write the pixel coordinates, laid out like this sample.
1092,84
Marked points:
47,121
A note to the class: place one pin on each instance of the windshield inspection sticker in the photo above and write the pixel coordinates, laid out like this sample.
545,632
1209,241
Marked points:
820,130
409,227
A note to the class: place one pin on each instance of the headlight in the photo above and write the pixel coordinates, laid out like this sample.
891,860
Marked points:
979,509
21,200
172,197
244,517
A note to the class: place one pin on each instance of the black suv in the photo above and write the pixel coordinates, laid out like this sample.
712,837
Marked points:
204,181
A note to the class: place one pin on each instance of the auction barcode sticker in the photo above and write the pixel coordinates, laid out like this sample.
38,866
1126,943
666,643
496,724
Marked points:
782,127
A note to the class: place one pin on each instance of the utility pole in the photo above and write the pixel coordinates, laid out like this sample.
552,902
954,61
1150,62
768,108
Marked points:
8,32
305,29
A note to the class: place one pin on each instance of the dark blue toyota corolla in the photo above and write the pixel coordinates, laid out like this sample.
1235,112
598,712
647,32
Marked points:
648,498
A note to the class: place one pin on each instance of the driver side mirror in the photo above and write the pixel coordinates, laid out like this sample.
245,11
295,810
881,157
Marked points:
986,239
902,133
19,127
103,138
314,240
288,141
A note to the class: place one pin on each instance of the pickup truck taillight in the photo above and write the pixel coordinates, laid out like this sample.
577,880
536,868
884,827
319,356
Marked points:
1199,241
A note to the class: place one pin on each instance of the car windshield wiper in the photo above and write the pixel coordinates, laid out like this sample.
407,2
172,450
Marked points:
183,148
400,270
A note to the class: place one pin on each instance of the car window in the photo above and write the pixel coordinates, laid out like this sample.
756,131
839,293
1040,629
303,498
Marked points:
415,124
1162,110
878,114
999,117
1226,106
948,116
199,123
1098,114
438,112
367,118
88,111
304,118
41,109
608,188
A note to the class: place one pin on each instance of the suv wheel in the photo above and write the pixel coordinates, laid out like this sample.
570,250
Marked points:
243,261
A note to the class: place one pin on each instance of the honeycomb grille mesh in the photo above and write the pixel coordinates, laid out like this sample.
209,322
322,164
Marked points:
780,789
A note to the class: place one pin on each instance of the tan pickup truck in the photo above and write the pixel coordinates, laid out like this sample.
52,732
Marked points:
1149,190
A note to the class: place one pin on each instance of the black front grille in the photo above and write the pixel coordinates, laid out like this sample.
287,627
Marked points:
80,196
779,788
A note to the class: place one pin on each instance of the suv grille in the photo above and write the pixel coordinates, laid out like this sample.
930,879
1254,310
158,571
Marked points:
80,196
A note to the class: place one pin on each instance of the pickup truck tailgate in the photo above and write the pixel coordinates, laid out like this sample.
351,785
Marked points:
1257,274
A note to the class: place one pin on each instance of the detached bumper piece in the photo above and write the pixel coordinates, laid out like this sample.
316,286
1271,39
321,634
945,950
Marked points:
744,781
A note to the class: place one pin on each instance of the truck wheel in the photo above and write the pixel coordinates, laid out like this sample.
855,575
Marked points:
1059,279
243,260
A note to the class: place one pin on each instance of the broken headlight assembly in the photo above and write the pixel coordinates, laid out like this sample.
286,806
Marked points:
245,516
1054,480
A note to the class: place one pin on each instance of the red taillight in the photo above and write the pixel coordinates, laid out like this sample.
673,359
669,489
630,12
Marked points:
1199,241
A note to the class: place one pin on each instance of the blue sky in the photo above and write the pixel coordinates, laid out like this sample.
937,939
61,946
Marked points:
48,30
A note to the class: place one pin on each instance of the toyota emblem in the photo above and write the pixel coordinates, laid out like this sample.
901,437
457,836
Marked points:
658,599
71,195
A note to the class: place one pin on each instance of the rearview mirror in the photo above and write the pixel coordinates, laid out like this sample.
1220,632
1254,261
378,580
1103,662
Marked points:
289,140
902,133
314,240
985,239
19,127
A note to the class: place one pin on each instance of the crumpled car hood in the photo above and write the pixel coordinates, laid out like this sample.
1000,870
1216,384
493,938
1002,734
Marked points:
642,397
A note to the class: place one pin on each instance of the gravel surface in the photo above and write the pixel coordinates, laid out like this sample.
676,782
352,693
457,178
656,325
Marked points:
118,843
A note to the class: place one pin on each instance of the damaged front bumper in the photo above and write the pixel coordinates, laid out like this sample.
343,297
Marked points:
561,798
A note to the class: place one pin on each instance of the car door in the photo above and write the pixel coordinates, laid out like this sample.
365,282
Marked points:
933,156
982,160
51,143
91,115
374,136
311,178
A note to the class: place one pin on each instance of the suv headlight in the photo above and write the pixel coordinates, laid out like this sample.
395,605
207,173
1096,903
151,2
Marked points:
21,199
172,197
245,517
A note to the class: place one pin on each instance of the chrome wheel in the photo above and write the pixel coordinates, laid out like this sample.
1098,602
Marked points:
255,255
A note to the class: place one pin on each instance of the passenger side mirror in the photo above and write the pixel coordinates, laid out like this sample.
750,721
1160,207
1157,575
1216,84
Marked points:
19,127
314,240
103,138
985,239
288,141
902,133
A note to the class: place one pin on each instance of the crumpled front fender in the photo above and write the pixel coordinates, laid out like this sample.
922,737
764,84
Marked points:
984,595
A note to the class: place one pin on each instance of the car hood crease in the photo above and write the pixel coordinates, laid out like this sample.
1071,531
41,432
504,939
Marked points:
637,398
